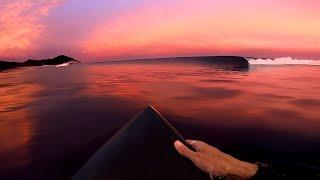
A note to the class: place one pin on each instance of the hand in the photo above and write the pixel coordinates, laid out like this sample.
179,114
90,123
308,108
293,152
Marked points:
212,161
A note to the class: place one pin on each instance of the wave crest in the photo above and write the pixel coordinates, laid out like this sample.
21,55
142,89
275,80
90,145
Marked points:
284,61
63,64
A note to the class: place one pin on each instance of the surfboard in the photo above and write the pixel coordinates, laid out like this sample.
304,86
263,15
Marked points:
142,149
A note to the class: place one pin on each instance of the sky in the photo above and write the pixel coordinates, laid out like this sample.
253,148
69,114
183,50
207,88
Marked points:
102,30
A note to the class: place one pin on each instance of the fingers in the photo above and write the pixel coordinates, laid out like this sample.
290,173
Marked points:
195,144
184,150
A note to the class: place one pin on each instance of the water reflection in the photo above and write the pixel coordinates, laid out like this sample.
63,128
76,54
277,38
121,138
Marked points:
264,97
53,119
15,119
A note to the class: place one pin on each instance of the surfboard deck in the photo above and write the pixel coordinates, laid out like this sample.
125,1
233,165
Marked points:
142,149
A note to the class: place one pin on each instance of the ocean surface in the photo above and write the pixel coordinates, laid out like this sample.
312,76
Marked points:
52,119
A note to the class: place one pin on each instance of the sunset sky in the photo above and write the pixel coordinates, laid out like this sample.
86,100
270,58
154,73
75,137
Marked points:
101,30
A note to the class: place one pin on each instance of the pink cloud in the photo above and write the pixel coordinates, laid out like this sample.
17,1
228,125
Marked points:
20,25
103,30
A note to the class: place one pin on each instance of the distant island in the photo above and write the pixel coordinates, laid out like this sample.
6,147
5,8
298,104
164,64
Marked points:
55,61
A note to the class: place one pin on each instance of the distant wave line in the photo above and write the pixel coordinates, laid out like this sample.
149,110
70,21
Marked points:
284,61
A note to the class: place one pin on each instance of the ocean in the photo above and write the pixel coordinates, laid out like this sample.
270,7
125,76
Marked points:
52,119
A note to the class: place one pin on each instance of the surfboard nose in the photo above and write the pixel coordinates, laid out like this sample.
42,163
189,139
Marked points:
141,149
152,112
150,108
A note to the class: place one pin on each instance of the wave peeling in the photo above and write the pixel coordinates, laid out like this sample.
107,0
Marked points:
284,61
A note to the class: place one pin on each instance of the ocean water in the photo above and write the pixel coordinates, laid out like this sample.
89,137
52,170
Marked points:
52,119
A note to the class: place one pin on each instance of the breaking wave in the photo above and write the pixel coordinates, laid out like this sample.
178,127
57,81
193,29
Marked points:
63,65
284,61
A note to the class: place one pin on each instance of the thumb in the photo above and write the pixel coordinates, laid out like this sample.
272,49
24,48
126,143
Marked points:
184,150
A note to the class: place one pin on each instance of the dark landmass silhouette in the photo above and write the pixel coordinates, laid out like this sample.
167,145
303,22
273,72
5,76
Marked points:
55,61
8,65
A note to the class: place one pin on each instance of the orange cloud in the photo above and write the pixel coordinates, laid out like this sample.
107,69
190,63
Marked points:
20,25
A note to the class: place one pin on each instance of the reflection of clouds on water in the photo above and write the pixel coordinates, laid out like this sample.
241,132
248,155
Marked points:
15,136
16,129
78,108
216,93
17,96
211,95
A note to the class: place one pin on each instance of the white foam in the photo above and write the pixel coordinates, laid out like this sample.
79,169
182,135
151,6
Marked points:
63,65
284,61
